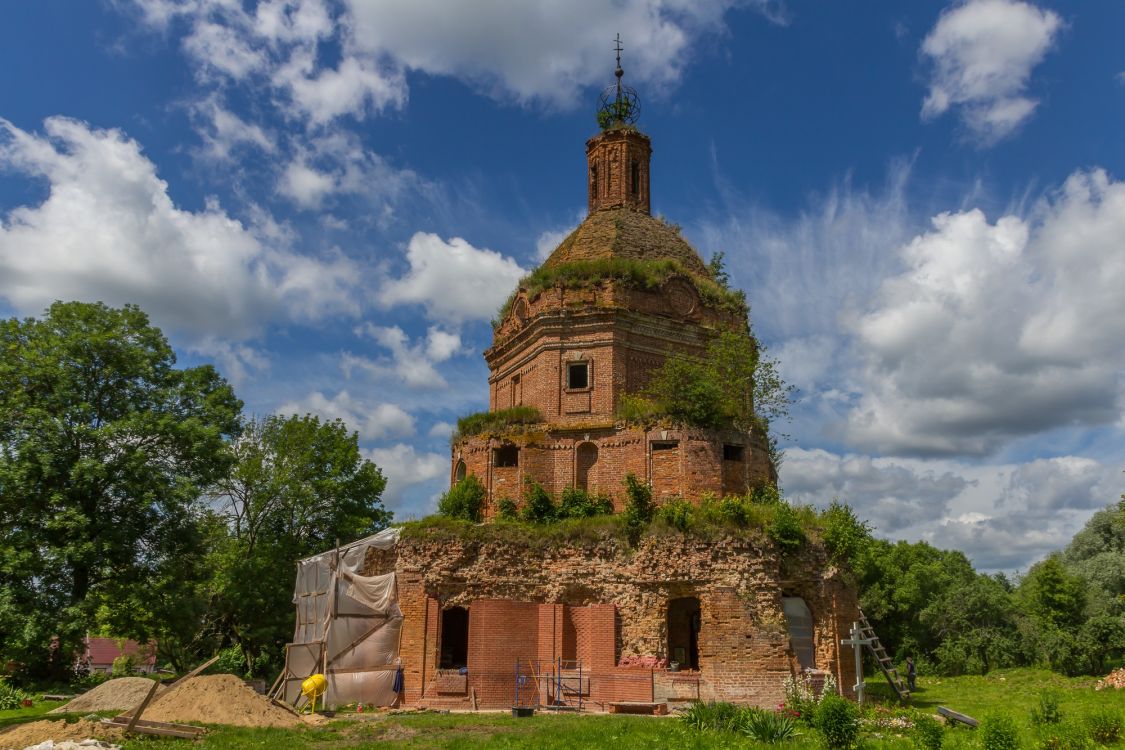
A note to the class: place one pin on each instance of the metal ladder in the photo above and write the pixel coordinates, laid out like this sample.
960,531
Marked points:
886,665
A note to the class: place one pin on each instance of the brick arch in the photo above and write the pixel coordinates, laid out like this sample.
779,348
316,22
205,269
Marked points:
585,463
459,472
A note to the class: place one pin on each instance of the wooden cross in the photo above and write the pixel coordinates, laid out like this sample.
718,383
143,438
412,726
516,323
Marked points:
857,642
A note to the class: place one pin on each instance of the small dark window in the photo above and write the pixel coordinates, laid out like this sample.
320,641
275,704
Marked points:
733,452
594,179
506,455
578,375
667,446
635,177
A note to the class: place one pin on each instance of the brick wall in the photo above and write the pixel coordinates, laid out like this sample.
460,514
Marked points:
692,468
598,601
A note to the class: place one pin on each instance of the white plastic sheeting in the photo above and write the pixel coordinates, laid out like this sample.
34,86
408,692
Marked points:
348,626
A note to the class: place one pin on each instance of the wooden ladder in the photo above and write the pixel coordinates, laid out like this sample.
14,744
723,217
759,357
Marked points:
886,665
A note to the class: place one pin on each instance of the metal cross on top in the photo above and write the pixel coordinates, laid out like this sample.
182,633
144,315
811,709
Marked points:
857,641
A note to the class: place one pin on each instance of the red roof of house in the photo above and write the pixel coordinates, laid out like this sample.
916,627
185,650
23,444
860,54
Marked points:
102,651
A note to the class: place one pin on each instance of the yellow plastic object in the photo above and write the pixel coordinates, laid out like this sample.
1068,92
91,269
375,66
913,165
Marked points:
314,687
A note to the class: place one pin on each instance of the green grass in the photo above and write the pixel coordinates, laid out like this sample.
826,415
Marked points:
1013,692
20,715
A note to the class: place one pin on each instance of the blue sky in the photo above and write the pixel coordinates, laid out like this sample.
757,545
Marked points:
330,198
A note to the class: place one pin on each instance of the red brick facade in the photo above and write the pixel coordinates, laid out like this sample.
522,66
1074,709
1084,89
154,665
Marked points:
596,622
598,605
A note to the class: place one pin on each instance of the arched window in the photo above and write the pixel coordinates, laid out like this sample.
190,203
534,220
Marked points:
800,621
459,472
635,177
586,458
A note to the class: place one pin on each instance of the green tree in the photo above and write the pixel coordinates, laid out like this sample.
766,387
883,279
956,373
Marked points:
1053,595
296,486
104,445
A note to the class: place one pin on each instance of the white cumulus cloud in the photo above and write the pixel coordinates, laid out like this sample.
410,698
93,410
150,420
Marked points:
997,330
453,281
109,231
371,421
983,53
404,467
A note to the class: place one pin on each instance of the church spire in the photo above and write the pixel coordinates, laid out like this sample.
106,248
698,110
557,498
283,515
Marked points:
617,159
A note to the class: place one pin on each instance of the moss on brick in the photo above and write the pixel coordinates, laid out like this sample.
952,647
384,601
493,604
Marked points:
495,422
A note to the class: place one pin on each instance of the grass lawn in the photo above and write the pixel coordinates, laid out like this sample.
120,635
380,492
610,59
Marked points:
1013,692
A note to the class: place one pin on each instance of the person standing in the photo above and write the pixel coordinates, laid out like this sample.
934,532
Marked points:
911,673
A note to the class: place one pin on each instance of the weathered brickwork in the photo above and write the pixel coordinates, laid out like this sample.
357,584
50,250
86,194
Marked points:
601,618
599,602
678,462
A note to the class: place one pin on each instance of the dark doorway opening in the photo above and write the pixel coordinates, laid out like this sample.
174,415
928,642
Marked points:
454,638
683,632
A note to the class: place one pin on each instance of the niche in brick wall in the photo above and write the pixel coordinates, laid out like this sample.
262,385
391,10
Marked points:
586,459
454,638
683,631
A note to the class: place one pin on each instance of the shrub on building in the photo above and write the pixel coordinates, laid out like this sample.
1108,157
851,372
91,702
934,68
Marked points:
489,422
578,503
538,507
464,500
638,508
507,509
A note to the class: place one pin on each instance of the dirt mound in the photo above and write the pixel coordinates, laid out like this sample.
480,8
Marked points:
114,695
218,699
22,735
1115,679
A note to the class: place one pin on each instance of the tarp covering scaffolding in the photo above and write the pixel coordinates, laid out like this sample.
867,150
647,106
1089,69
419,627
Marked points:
348,627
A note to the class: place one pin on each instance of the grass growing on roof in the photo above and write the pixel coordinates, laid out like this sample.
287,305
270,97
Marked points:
634,273
488,422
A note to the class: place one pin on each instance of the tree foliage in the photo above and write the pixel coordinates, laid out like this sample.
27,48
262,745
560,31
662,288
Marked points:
104,446
296,487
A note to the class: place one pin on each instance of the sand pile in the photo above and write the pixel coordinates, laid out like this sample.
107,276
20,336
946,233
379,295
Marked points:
218,699
22,735
1115,679
120,694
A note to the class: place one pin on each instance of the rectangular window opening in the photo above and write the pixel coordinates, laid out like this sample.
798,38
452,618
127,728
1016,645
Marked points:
578,375
505,456
734,452
665,446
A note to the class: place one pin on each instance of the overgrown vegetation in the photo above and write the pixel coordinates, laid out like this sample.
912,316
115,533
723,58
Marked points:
464,500
139,502
1067,613
637,274
491,422
733,386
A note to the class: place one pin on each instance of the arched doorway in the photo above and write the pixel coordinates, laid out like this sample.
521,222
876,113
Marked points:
585,461
801,630
683,632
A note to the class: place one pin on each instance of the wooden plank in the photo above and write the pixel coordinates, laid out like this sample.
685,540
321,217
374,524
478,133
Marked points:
964,719
286,706
141,708
143,723
473,698
181,680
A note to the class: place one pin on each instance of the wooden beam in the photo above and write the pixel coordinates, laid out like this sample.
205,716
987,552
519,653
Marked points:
141,708
964,719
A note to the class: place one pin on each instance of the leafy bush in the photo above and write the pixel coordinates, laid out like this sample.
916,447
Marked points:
785,529
124,665
638,509
578,503
999,732
507,509
677,513
767,726
634,407
843,534
11,697
928,732
231,661
1047,711
717,716
537,504
1063,736
464,500
838,720
1104,726
488,422
800,701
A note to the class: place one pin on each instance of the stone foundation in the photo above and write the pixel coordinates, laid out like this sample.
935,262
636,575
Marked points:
602,608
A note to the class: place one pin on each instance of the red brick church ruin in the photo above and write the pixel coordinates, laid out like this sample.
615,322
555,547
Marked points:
486,618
